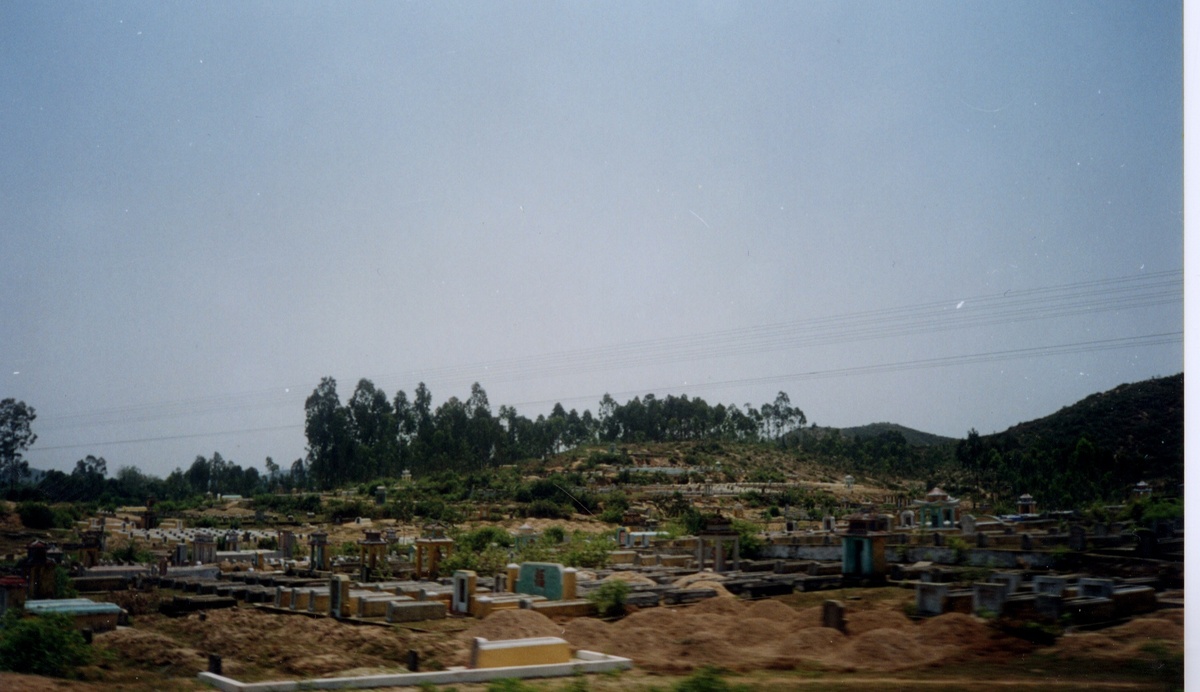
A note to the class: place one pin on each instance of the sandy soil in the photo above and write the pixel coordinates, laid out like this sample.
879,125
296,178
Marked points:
746,638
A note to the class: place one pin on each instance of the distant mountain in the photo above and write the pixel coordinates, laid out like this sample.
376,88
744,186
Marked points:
915,438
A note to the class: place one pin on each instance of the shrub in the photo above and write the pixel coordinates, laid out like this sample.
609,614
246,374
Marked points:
610,598
36,515
587,550
480,539
547,509
44,645
129,552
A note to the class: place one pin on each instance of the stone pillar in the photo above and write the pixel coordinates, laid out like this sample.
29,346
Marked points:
339,596
570,577
514,571
318,551
465,582
287,543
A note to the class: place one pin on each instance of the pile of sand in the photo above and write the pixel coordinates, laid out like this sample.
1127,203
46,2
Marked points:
1128,641
885,648
152,651
956,630
293,644
705,576
716,586
722,632
631,578
863,621
719,606
771,609
513,624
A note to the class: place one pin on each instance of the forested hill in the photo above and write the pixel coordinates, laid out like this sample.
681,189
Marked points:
915,438
1096,448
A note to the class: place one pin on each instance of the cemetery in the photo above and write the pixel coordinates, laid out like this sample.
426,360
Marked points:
887,582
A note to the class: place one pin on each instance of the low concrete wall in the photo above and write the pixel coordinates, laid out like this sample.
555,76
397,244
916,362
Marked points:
804,552
577,608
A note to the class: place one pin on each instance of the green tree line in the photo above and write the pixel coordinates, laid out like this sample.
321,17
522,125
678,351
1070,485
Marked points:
374,436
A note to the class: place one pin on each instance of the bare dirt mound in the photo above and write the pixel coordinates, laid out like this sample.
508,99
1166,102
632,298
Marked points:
719,606
954,629
152,651
631,578
863,621
513,624
770,609
292,644
686,581
1135,639
717,586
588,633
885,649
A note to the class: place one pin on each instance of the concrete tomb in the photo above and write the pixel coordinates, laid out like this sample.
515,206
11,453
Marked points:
1095,588
547,579
988,597
938,510
204,549
318,546
465,582
864,544
717,533
1049,585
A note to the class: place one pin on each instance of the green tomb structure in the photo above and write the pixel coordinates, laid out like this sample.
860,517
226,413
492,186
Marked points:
864,542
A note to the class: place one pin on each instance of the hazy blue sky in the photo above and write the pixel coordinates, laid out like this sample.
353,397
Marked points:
206,207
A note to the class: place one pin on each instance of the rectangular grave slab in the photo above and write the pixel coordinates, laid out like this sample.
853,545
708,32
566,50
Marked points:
1095,588
988,597
378,607
1049,607
1089,610
415,611
683,596
1011,581
1134,600
931,598
1052,585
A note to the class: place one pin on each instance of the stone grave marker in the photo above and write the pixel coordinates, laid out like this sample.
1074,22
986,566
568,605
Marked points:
988,597
833,615
931,598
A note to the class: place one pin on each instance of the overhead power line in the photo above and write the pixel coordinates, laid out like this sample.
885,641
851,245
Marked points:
1096,297
898,366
